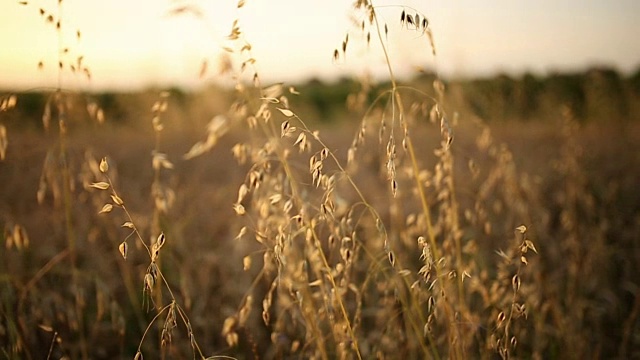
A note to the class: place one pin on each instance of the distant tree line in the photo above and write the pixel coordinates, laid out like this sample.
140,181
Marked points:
598,94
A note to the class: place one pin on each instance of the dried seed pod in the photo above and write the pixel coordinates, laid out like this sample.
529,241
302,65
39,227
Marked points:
123,249
515,281
409,18
160,241
117,200
392,258
100,185
239,209
104,165
106,208
286,112
284,128
149,282
324,153
530,245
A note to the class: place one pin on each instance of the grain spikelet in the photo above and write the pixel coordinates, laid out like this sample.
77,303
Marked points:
100,185
117,200
106,209
104,165
123,249
286,112
246,263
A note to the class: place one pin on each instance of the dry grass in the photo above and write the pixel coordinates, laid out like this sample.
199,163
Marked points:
411,232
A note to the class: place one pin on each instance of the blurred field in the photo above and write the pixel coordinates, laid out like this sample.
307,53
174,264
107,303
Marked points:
567,168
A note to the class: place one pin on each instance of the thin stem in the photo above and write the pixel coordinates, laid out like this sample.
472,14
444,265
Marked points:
416,173
53,341
151,323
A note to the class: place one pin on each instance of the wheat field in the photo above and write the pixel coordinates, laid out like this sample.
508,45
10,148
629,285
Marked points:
401,219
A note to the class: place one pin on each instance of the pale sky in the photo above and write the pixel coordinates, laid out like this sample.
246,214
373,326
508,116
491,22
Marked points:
135,43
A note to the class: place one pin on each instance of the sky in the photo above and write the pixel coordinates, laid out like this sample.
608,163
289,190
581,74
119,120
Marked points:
136,44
